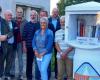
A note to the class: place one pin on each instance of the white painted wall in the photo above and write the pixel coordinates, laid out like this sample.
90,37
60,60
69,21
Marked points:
11,4
45,4
8,4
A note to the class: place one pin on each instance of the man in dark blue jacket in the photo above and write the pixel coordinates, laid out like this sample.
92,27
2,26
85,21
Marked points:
28,35
55,21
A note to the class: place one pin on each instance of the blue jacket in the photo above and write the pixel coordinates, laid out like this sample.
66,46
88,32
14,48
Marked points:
43,43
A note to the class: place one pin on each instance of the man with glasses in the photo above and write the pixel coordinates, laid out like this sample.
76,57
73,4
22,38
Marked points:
64,53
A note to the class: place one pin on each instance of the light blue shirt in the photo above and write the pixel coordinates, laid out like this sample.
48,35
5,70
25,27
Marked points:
11,40
54,22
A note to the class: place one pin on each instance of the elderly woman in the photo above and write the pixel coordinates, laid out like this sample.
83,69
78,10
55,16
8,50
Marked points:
42,45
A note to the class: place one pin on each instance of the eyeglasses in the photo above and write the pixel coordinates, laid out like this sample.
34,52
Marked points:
63,37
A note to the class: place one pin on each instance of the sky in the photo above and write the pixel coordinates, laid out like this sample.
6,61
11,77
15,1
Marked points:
53,4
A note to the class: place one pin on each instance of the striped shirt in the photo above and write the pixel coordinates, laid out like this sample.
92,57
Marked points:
29,31
60,39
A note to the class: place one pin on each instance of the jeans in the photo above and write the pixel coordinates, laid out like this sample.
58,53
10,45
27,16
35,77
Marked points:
43,66
19,53
37,72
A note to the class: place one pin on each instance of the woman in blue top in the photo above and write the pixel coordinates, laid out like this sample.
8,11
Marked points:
42,45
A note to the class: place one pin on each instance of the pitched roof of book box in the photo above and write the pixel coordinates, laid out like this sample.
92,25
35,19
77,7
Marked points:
88,6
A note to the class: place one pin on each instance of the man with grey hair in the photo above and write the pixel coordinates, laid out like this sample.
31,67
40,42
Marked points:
20,23
28,35
5,35
9,57
64,53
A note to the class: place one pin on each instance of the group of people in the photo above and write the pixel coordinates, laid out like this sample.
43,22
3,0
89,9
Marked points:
39,38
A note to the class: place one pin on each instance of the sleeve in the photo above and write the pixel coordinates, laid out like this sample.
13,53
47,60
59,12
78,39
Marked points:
34,42
49,41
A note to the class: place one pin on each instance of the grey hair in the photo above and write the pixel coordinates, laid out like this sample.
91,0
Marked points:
8,11
44,19
62,17
34,11
55,9
19,9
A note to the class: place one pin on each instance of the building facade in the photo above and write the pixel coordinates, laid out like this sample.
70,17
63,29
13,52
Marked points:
27,6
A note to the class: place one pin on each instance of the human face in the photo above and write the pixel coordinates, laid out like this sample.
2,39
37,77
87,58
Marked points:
8,16
62,23
43,14
19,13
33,16
55,13
43,25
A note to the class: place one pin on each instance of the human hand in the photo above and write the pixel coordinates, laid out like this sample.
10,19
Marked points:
40,55
63,56
3,37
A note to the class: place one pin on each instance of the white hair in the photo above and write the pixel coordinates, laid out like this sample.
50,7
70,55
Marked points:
19,9
55,9
62,18
34,11
44,19
8,11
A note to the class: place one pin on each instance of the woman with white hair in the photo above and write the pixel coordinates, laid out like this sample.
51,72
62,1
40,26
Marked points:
42,46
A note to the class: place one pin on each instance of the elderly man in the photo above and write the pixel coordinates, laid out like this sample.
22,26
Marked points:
6,38
20,23
28,35
64,53
55,21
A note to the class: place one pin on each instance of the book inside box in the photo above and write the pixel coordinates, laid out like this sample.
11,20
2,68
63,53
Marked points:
83,28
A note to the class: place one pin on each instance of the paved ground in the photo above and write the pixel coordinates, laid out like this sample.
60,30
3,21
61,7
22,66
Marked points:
24,59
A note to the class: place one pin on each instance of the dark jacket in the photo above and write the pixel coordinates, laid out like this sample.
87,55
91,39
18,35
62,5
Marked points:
14,31
29,31
5,31
23,23
51,26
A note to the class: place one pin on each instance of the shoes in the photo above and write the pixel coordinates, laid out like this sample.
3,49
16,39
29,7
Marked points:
29,79
7,78
12,77
0,78
20,77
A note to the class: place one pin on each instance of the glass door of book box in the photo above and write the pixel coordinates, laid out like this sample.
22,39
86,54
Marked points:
86,26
